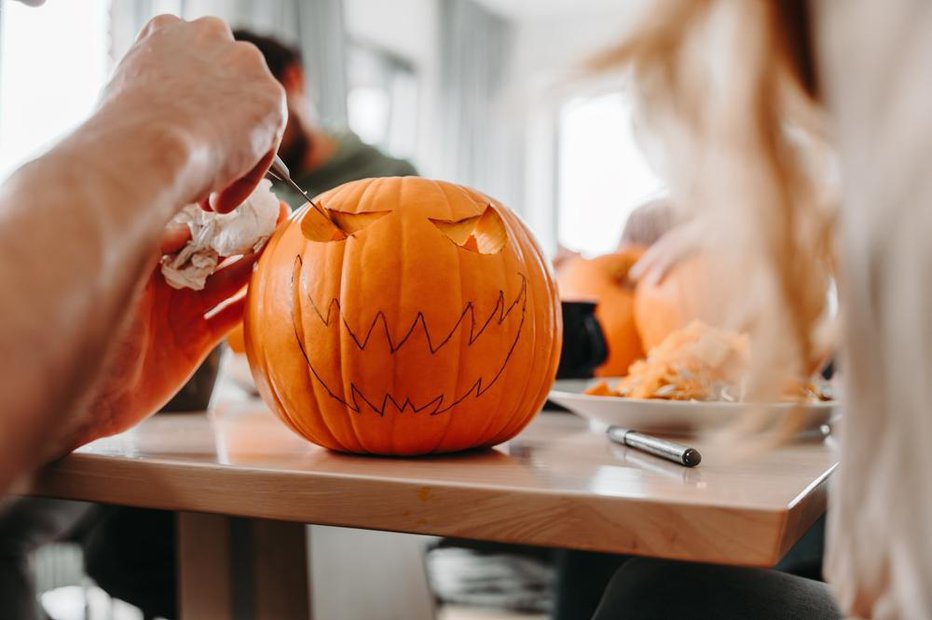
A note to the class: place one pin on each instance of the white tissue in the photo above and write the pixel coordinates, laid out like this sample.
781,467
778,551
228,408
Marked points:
215,236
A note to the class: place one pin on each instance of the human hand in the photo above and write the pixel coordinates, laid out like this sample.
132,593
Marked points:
170,333
672,248
563,256
193,93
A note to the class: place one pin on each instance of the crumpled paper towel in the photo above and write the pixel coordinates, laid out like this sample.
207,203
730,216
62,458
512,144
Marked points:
215,236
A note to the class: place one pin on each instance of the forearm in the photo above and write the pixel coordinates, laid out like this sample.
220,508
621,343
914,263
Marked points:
79,228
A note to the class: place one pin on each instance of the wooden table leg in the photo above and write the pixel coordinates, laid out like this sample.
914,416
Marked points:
204,588
231,568
282,570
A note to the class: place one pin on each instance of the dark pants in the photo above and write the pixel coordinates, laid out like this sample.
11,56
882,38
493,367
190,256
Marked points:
583,576
647,589
25,525
130,553
581,579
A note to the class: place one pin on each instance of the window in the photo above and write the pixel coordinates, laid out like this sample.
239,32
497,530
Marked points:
602,173
382,99
53,63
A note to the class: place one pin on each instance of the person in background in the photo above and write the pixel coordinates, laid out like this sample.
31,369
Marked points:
644,226
130,553
317,159
92,339
562,256
648,223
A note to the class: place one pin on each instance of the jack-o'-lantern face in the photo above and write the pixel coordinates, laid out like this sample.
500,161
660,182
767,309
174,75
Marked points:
403,316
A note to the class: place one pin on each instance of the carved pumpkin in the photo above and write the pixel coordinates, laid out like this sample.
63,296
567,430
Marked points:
405,316
673,303
604,279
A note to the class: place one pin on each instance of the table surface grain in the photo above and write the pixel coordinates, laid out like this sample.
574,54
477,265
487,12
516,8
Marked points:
557,484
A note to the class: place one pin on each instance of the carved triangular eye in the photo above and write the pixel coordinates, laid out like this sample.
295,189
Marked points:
483,234
320,224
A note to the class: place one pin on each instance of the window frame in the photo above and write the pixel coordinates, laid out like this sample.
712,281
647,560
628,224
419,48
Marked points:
396,64
585,92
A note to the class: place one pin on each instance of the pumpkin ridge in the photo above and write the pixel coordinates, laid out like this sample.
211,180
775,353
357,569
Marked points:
502,400
449,421
526,252
296,292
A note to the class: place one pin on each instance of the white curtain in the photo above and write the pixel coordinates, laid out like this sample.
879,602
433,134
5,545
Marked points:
316,27
480,137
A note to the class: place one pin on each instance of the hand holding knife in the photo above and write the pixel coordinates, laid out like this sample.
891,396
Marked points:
279,172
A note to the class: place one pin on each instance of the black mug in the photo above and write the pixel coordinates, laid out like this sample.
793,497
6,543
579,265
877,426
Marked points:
584,346
195,394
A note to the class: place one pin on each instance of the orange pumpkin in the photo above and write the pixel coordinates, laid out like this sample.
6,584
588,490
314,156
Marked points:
604,279
236,339
678,299
403,316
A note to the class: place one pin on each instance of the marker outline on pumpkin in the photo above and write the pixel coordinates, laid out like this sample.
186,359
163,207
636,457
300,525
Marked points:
437,402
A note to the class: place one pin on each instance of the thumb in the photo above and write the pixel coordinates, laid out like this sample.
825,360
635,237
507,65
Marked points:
174,237
234,195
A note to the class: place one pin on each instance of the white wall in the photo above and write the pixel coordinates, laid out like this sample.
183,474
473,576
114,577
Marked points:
550,51
553,46
410,29
406,27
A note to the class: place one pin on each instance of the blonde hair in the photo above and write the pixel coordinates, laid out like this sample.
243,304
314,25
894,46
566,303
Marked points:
743,147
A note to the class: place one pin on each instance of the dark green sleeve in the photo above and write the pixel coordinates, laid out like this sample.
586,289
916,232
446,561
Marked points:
405,169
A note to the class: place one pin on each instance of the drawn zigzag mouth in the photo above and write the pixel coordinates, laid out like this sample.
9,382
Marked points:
379,325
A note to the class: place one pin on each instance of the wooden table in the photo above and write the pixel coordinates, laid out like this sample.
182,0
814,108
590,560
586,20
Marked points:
557,484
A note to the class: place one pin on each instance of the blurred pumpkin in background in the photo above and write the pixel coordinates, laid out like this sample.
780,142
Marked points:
604,280
403,316
666,306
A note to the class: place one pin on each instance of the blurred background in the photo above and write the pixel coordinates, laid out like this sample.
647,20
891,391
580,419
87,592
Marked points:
482,92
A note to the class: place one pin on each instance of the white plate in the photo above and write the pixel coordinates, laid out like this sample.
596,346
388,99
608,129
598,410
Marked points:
667,416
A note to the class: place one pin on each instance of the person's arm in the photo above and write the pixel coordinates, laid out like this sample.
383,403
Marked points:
75,240
189,113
